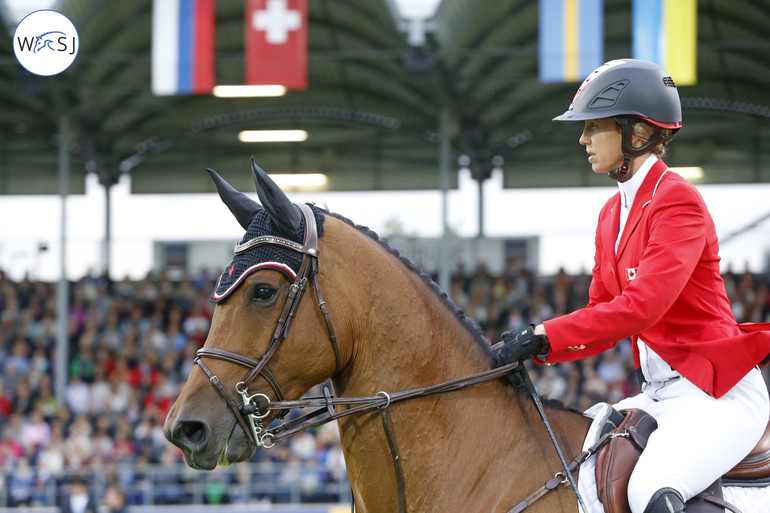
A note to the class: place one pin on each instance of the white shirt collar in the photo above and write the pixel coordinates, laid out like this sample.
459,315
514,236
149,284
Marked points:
628,190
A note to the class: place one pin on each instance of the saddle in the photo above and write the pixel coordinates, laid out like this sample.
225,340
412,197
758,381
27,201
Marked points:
629,431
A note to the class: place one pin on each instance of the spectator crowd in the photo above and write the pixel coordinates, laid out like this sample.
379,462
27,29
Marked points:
131,347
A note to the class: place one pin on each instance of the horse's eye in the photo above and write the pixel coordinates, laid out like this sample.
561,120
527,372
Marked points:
261,294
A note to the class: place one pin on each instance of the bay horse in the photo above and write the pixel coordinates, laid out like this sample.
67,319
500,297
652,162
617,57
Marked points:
479,448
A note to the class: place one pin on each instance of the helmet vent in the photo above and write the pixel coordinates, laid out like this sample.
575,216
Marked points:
608,96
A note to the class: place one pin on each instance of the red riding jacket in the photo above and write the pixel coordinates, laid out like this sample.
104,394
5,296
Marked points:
664,286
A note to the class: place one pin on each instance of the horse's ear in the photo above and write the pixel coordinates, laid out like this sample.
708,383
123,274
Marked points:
281,210
242,207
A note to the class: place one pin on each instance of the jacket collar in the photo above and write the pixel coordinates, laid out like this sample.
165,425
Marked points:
609,224
643,197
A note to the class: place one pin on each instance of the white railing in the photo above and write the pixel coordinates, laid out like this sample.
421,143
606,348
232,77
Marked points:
242,483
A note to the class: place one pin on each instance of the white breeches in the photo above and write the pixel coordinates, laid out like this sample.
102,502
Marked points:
699,438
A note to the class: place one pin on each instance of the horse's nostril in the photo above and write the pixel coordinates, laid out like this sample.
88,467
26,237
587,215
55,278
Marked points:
191,433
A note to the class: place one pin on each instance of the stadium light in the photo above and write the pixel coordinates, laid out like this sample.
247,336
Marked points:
250,136
689,172
247,91
299,180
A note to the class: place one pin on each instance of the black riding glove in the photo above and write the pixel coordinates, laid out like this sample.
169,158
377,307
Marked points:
521,346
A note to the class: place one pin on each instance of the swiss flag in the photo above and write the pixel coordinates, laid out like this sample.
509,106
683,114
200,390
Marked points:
276,43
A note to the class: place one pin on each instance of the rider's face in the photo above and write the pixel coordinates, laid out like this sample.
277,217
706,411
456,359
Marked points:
602,140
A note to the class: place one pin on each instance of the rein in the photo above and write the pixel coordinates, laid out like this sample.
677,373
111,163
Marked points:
326,404
253,408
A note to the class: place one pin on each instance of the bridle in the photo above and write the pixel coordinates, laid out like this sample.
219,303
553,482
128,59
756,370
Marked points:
248,412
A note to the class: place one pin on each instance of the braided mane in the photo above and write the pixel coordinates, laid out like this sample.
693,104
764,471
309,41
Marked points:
469,324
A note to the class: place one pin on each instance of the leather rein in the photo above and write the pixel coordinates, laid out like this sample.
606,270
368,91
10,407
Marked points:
253,408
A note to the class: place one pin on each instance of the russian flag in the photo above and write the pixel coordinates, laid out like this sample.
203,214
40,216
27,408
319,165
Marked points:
570,39
183,46
665,32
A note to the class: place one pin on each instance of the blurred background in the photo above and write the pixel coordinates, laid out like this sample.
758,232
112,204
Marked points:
428,121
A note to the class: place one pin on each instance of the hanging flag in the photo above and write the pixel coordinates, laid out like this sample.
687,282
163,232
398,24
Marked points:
183,46
276,43
665,32
570,39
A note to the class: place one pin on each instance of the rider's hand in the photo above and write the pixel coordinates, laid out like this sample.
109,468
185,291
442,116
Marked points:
520,346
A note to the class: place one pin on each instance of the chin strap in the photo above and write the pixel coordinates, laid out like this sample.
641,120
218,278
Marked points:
622,170
629,151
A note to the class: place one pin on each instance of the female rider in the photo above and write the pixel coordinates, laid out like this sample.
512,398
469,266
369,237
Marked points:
656,279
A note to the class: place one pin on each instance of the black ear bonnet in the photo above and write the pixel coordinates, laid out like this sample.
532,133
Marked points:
277,216
268,256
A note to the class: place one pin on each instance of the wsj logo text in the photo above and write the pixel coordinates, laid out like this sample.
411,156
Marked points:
55,41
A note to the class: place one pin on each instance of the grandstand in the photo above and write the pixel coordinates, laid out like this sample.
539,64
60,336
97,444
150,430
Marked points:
132,344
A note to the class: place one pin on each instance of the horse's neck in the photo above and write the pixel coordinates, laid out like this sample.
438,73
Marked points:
448,442
408,338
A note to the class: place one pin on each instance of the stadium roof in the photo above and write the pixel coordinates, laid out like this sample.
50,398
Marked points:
374,100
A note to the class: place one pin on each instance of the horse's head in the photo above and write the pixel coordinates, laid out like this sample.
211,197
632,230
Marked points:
264,344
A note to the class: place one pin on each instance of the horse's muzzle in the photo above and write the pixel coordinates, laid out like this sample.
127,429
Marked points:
203,444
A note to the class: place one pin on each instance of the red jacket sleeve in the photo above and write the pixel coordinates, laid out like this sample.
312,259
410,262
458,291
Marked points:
664,248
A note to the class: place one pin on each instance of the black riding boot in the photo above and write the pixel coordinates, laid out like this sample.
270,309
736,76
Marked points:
665,500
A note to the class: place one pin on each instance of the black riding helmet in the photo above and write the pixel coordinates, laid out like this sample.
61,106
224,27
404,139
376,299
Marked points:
629,88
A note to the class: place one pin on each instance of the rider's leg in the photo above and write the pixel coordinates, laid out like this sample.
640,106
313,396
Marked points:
698,439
